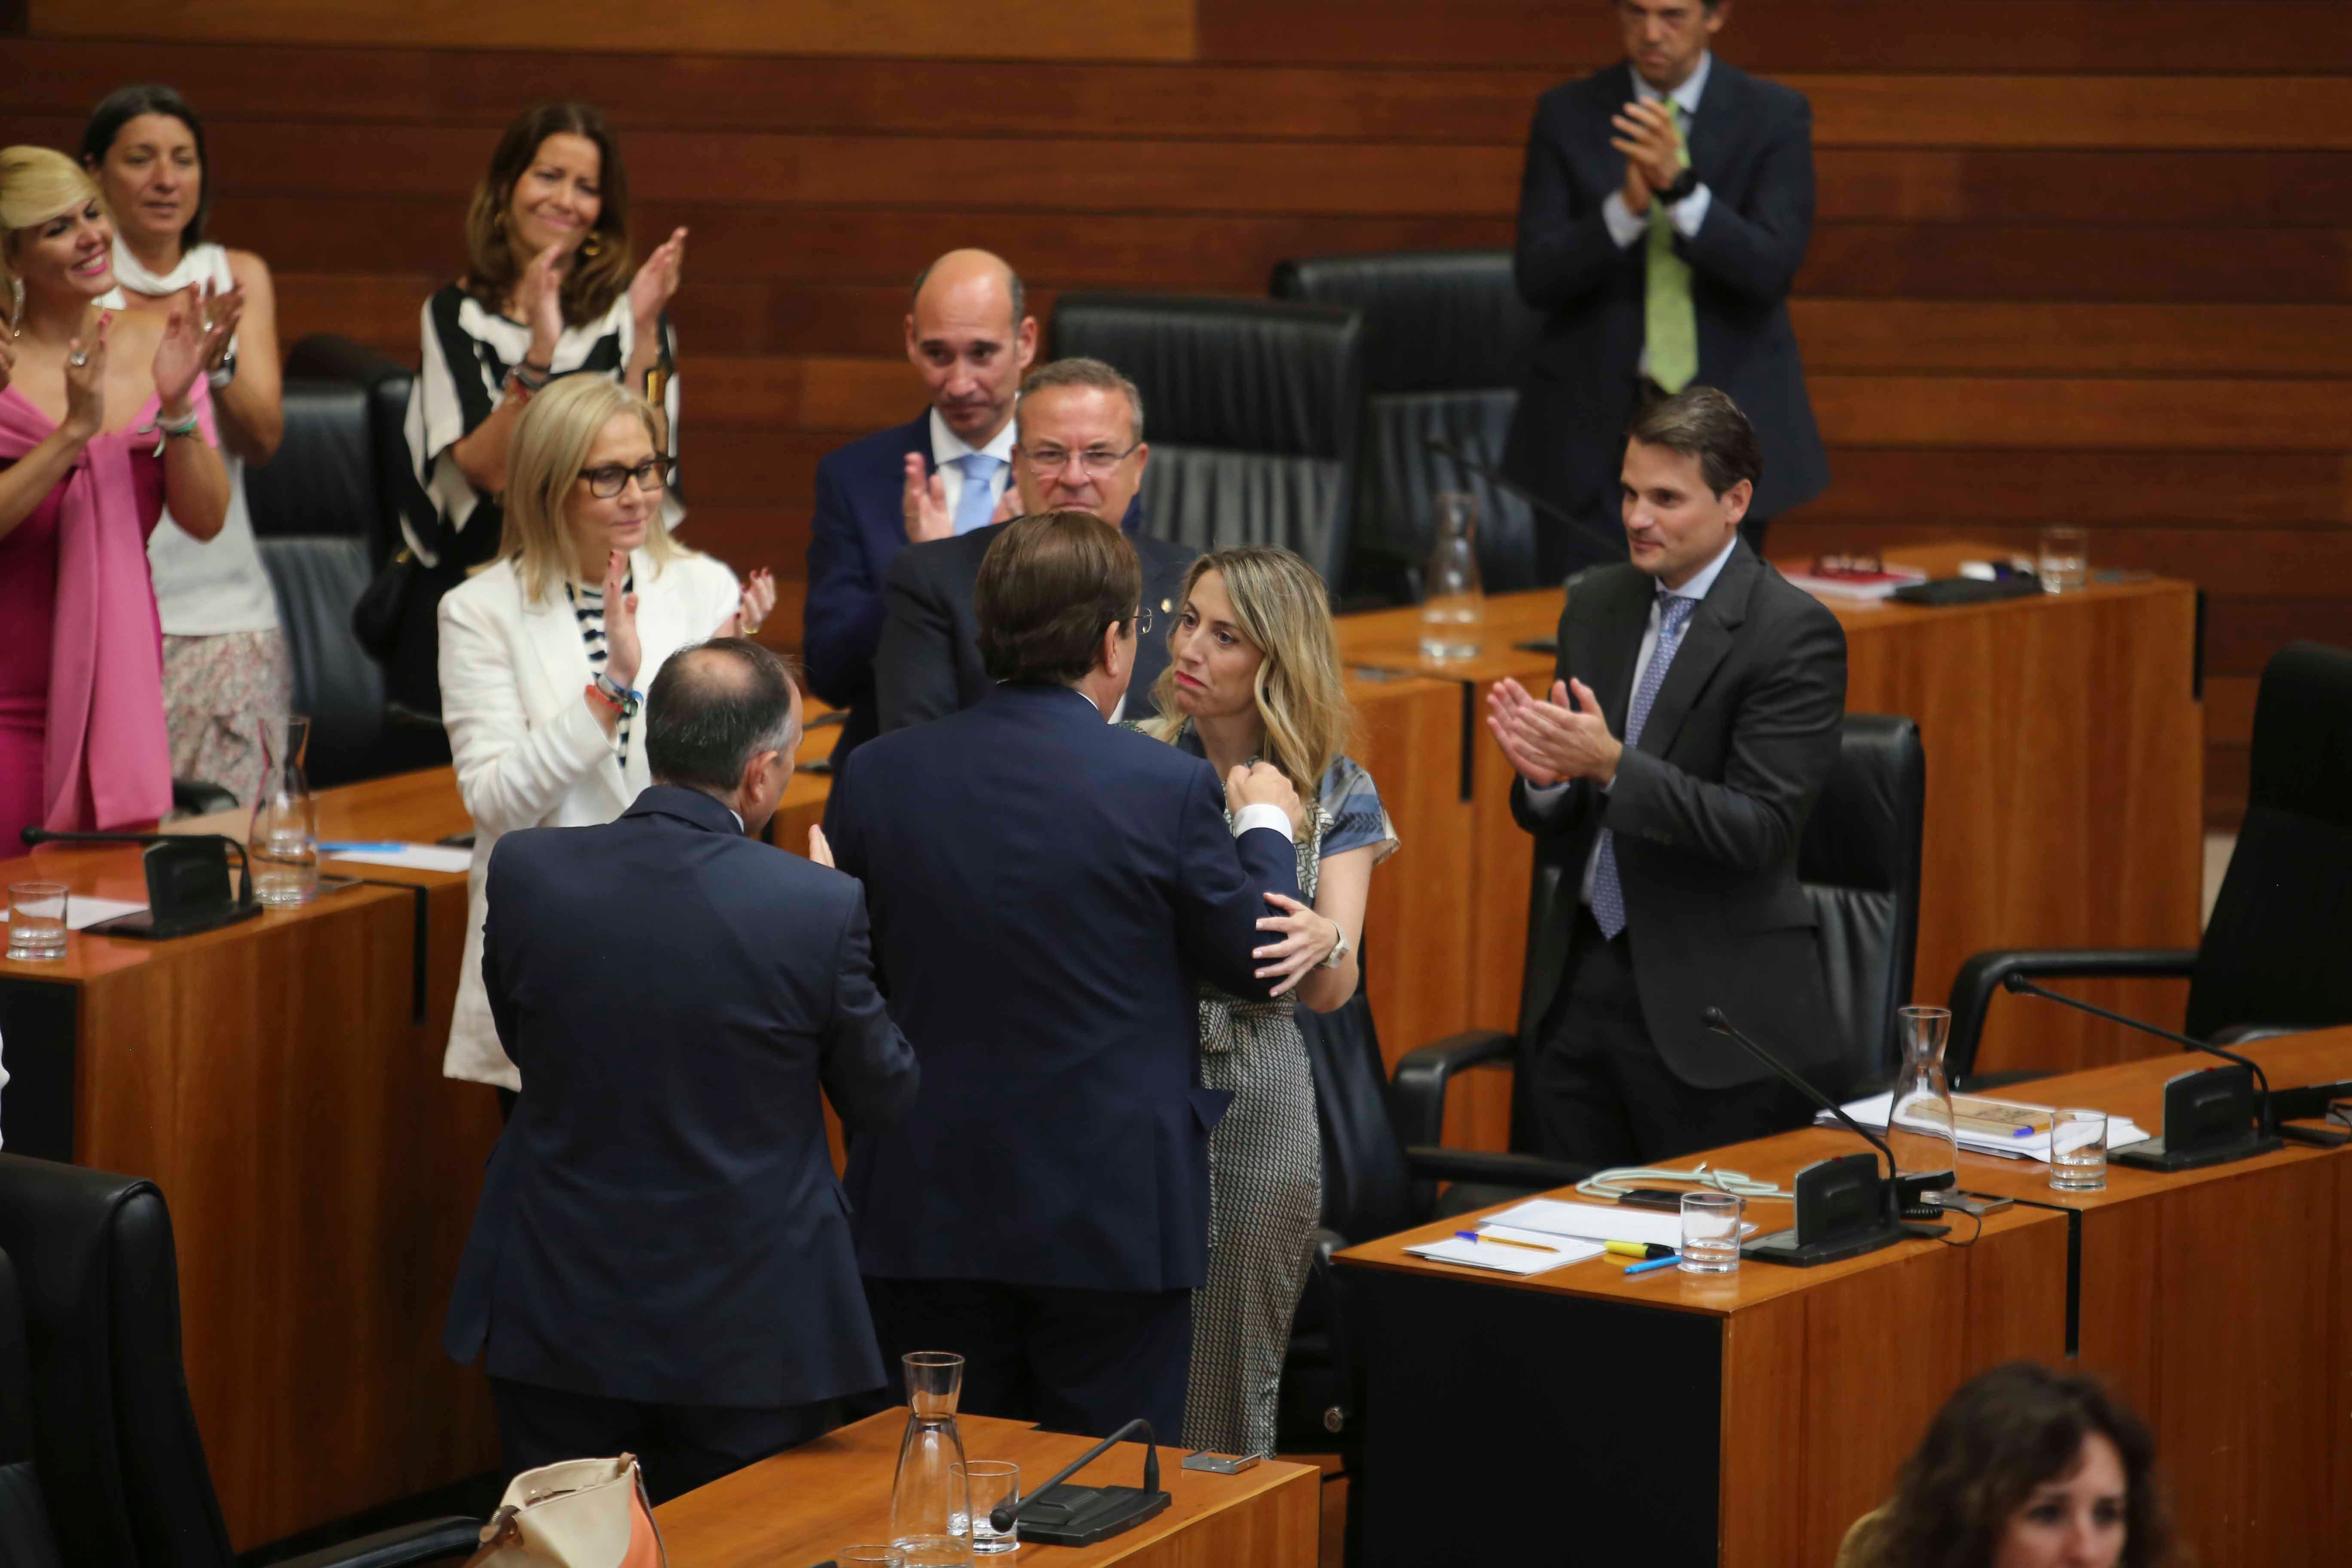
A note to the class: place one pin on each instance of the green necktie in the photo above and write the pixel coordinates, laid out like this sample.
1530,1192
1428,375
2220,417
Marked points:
1669,325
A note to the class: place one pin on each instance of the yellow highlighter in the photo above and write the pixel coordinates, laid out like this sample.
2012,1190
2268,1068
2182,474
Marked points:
1642,1249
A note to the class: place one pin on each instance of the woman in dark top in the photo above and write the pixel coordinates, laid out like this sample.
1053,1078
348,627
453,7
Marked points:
550,290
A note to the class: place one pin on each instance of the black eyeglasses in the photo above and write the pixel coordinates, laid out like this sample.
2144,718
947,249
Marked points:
1143,619
653,474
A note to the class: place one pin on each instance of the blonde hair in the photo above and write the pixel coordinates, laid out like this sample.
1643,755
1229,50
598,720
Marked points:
551,442
1280,606
36,183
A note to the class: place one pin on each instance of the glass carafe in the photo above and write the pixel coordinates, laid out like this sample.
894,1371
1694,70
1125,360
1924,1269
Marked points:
283,841
1454,600
1919,1125
931,1501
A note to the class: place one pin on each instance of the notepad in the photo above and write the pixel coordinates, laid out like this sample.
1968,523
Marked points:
1597,1222
1508,1259
1975,1133
416,856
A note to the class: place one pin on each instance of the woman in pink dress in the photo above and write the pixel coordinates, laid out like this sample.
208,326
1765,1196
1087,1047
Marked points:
103,419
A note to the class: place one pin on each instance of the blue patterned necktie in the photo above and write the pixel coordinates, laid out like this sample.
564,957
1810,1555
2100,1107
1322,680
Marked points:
1608,893
976,504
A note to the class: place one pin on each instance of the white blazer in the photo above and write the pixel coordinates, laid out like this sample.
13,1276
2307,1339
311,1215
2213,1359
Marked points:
529,753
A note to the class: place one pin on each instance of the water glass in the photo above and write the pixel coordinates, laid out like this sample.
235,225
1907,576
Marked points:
37,920
2078,1151
1454,600
1711,1233
2063,563
870,1556
993,1481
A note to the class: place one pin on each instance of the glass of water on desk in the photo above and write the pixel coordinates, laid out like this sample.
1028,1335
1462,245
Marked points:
2063,563
1710,1233
1454,601
2078,1151
37,920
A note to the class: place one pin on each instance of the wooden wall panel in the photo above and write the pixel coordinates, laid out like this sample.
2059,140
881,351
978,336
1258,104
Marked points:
1132,29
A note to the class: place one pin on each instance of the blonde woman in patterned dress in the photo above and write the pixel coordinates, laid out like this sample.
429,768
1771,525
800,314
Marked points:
1253,675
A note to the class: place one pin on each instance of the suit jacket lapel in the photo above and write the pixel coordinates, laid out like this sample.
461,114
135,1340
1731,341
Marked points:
1606,641
1704,645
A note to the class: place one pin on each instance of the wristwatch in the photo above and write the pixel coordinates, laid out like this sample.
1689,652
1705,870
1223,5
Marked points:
619,696
227,373
1684,183
1340,951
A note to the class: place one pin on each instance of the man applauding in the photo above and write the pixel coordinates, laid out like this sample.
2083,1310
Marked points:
1046,891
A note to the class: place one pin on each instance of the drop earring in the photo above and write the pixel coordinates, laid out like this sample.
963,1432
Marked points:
594,246
15,307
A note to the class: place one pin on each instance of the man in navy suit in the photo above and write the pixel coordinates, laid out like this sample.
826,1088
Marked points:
1079,447
662,1262
941,474
1665,208
1048,888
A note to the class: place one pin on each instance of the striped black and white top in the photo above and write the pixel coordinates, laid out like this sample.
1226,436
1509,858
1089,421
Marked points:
588,604
460,379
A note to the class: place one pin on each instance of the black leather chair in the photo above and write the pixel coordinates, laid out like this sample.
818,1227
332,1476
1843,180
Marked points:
1446,337
118,1463
1251,410
2271,959
27,1540
1859,862
323,511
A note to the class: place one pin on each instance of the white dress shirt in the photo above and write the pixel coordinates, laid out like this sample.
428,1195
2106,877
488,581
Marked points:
1542,796
947,447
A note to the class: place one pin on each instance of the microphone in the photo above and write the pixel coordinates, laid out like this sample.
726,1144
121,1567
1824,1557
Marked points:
188,882
1836,1217
1447,449
1059,1515
2204,1116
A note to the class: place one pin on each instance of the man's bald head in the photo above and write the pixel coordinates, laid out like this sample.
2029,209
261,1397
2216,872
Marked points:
724,717
968,335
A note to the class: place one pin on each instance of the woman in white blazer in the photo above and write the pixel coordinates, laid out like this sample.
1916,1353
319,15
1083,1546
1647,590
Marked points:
545,651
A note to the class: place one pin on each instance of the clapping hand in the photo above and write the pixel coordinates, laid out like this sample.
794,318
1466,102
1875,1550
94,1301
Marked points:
86,383
657,282
184,349
622,650
221,313
820,848
1307,939
1645,134
751,609
923,505
1566,738
539,300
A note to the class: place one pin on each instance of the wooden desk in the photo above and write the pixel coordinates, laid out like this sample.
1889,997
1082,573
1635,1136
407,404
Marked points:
2064,779
272,1078
804,1506
1668,1417
2219,1302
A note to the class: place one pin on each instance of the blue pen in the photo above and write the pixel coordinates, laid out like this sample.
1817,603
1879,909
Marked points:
332,846
1653,1263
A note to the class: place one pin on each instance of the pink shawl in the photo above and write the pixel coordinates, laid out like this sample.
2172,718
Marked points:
106,762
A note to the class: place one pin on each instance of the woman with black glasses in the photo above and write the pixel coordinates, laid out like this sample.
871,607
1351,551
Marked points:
545,653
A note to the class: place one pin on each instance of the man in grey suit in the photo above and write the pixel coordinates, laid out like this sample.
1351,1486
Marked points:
1695,719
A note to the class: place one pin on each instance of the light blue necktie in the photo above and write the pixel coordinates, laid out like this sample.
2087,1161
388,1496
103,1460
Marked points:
976,504
1608,893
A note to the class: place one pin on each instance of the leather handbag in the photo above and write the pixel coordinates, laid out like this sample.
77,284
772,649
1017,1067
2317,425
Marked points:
383,606
581,1513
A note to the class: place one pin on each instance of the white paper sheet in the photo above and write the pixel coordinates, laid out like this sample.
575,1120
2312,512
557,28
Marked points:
83,912
1509,1260
416,856
1873,1111
1599,1222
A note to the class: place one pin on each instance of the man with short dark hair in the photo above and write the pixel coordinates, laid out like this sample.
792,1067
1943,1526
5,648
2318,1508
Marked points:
1047,891
1078,447
1665,208
661,1262
948,471
1696,717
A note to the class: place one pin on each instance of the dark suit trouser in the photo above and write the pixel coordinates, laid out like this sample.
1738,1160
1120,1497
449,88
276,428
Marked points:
681,1447
1604,1095
1085,1362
